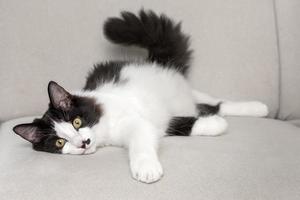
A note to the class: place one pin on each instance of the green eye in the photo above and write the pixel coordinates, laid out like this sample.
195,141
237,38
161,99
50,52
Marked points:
77,123
60,143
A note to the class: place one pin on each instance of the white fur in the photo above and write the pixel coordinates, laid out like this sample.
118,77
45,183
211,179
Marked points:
136,114
231,108
69,148
250,108
86,133
67,131
209,126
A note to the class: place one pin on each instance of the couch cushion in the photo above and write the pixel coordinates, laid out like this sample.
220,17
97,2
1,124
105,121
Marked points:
295,122
255,159
234,41
288,15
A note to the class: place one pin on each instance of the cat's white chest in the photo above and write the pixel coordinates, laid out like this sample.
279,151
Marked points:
146,92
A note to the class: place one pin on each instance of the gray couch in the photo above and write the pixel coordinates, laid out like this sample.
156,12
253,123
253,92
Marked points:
244,50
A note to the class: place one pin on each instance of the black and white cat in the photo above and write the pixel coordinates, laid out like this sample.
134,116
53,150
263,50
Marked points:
131,104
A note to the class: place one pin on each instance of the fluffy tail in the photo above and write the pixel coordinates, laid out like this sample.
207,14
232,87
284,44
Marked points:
162,37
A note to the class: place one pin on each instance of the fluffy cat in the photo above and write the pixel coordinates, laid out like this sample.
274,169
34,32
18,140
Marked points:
133,105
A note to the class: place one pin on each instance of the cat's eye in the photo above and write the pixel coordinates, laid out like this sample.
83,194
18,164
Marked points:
77,123
60,143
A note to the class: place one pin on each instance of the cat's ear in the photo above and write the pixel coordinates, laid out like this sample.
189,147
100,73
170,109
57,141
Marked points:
59,97
29,132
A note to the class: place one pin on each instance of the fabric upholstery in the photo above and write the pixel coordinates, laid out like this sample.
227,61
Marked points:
288,13
235,47
295,122
255,159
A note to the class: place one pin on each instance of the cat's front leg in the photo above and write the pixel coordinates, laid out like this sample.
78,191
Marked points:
142,147
146,168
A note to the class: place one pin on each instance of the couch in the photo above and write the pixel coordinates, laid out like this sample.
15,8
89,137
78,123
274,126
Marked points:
243,50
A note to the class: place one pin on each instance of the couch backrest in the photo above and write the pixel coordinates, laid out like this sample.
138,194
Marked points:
288,15
234,41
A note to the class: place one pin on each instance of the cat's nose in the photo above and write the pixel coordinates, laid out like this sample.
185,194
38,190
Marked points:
88,141
85,142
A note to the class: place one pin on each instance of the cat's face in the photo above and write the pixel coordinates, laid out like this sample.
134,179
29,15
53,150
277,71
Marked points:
66,127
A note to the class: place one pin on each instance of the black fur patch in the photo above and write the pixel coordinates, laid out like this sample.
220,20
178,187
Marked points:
42,135
47,144
206,109
162,37
104,73
83,107
181,126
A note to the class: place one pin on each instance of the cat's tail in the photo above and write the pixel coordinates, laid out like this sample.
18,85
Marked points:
162,37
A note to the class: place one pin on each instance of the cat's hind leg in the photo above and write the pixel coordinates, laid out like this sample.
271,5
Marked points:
211,125
232,108
141,138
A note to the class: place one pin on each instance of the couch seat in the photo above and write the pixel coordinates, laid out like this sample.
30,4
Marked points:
255,159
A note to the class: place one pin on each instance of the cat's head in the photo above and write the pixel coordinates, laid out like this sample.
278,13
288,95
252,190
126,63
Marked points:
66,127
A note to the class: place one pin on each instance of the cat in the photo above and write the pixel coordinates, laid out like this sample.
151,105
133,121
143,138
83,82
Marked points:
134,104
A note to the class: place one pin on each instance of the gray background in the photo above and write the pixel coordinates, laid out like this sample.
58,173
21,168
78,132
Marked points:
244,49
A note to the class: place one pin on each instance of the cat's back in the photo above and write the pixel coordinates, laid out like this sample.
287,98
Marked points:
151,76
151,86
121,72
146,77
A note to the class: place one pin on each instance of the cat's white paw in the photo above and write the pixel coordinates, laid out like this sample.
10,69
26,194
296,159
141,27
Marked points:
146,170
209,126
258,109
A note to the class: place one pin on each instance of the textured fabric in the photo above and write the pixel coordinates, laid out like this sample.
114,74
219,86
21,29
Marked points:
288,15
255,159
234,41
